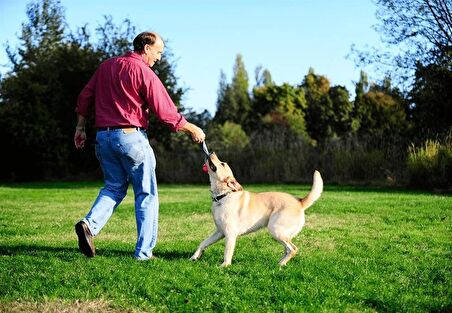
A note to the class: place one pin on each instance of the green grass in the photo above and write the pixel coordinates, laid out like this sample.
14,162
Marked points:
362,250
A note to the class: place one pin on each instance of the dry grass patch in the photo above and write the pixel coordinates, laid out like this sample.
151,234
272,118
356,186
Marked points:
63,307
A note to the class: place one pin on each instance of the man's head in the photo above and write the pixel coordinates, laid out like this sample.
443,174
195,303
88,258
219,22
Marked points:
150,46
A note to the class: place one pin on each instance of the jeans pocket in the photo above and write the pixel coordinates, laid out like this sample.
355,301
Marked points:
134,152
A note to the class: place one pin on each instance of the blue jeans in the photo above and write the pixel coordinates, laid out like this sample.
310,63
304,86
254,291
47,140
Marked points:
126,156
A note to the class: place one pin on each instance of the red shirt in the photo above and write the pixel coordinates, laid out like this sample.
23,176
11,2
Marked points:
123,90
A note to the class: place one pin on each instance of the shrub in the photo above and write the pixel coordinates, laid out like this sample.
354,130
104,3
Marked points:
430,165
229,135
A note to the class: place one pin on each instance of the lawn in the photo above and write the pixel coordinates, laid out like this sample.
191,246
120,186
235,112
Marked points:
362,250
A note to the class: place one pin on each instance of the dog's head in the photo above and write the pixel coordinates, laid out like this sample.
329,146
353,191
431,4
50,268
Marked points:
221,176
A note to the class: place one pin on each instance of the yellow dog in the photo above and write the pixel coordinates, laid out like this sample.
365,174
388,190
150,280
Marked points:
237,212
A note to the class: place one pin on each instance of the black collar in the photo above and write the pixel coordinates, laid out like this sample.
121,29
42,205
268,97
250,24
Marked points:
218,198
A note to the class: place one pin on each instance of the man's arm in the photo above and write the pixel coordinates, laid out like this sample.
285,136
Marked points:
166,111
85,100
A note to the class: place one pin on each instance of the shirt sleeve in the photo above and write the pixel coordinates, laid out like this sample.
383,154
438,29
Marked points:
87,96
160,102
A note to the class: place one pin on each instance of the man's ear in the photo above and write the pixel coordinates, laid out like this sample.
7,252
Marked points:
233,184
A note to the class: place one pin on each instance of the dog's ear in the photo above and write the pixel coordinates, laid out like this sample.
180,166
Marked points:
233,184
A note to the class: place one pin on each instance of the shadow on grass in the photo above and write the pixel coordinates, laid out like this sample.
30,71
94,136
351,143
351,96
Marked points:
64,253
67,253
173,255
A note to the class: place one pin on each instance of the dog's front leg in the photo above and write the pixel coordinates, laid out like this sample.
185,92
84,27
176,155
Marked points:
230,241
217,235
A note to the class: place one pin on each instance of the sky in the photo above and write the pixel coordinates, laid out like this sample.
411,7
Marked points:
287,37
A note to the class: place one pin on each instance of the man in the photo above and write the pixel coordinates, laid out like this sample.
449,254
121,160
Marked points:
123,91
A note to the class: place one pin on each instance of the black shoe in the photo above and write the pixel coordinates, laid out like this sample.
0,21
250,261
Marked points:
85,239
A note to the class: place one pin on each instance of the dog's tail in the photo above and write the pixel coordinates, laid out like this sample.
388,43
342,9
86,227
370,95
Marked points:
316,191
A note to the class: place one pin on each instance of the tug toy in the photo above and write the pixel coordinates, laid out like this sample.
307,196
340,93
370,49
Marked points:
206,152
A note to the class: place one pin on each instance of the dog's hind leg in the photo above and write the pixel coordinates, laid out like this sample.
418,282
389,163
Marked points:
217,235
290,249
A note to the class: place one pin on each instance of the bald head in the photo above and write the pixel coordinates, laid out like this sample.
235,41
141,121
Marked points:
145,38
150,46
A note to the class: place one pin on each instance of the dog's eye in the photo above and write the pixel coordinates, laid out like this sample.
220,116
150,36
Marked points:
222,164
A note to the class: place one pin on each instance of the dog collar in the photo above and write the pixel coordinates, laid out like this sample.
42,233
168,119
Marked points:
218,198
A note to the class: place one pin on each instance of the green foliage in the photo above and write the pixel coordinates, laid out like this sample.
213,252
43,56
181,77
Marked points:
228,136
38,96
240,87
419,30
44,32
355,160
381,114
313,123
424,26
343,122
227,106
114,40
432,98
263,77
279,107
430,165
379,110
361,250
233,102
319,113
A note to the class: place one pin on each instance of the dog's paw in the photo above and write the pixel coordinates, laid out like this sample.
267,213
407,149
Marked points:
195,256
225,264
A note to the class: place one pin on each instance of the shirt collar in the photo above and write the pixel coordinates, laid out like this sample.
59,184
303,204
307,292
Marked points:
136,56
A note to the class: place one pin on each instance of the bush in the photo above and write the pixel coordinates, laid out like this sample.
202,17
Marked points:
282,157
430,165
228,136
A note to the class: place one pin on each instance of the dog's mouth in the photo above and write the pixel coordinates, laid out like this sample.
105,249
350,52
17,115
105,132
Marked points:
211,165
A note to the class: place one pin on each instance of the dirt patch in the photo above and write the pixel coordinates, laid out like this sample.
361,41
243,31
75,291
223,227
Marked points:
62,307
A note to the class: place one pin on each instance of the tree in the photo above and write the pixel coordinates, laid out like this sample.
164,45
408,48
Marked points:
29,103
227,107
44,32
432,96
361,88
228,135
343,122
279,107
114,40
420,29
240,88
263,77
382,112
319,112
234,103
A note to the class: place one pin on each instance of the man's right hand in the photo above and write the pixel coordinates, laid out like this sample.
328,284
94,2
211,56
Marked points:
79,138
197,134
